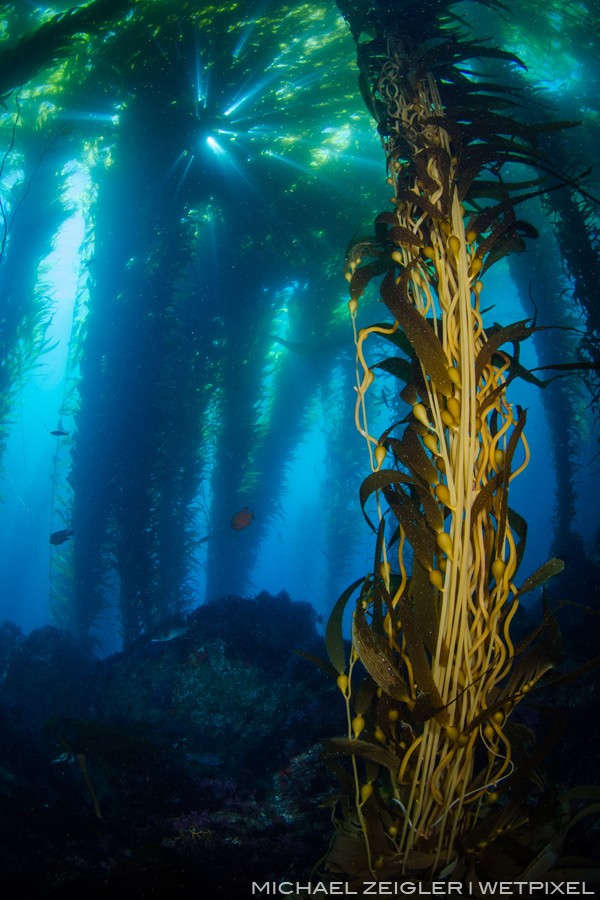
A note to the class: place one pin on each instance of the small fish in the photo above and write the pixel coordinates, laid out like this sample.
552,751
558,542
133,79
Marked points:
242,519
169,634
59,433
59,537
204,539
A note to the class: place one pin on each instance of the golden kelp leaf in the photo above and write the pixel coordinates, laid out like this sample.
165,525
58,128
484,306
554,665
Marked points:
519,527
364,749
510,243
363,275
508,457
485,496
516,370
397,338
334,638
375,482
503,232
490,214
400,235
433,512
547,570
396,233
421,335
424,602
378,592
410,451
348,856
394,365
363,697
531,665
421,203
516,332
409,516
424,709
466,172
381,220
563,367
379,840
377,658
432,704
362,245
573,674
410,394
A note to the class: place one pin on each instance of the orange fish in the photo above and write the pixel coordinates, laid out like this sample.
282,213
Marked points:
242,519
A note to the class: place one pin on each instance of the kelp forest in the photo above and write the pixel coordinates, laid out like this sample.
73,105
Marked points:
299,395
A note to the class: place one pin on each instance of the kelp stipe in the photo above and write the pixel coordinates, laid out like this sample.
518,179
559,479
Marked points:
434,676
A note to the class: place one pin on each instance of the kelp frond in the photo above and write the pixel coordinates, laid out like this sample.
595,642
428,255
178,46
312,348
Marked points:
433,676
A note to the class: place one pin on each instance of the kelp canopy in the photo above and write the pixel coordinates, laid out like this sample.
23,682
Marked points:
434,675
201,344
211,156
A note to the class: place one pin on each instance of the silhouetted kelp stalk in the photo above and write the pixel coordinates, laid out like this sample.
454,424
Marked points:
143,87
566,399
434,676
30,220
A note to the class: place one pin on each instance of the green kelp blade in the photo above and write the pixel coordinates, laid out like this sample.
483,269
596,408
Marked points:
519,527
375,482
568,367
395,234
400,235
504,230
363,275
424,596
508,457
334,638
380,593
362,698
516,370
382,220
410,517
429,702
434,515
511,243
397,338
411,452
516,332
377,658
546,571
379,840
571,675
348,854
394,365
373,752
529,666
421,335
420,202
485,496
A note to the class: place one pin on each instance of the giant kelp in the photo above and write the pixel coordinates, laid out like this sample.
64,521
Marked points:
434,675
170,374
182,284
28,218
